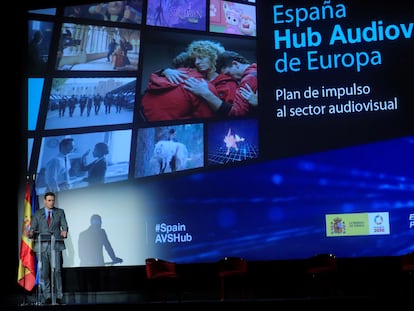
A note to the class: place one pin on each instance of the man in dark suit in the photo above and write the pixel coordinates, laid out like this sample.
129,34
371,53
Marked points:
49,227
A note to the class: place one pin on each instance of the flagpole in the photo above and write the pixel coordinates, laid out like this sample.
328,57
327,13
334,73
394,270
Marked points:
38,293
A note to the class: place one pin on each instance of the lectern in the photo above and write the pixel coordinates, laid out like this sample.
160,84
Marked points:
41,239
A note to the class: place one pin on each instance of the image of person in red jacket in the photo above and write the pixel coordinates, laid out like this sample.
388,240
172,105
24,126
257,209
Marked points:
203,55
205,61
164,100
239,68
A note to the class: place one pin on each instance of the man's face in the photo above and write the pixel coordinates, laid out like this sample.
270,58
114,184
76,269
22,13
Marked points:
68,148
233,70
115,7
202,63
49,201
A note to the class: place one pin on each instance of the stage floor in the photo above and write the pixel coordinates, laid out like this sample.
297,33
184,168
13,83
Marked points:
325,303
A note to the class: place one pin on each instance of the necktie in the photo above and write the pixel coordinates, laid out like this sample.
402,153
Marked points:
48,218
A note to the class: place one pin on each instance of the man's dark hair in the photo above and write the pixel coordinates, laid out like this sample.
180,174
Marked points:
226,58
183,60
65,142
102,148
49,193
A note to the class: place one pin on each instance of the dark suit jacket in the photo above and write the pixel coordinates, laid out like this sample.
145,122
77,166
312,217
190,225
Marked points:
58,223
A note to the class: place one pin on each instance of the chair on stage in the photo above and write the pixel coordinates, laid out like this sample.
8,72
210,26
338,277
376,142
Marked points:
321,272
407,263
407,272
232,272
163,278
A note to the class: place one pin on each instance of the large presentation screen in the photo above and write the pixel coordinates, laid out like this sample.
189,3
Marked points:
194,130
334,74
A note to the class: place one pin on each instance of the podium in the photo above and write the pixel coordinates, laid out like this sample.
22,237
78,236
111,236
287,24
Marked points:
50,239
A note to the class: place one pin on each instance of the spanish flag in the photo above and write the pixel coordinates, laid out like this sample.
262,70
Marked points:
26,276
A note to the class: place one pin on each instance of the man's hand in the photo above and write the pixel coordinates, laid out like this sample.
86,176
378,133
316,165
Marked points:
64,234
197,87
249,95
174,75
30,234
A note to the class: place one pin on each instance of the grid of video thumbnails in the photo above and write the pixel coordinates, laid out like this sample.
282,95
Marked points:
130,89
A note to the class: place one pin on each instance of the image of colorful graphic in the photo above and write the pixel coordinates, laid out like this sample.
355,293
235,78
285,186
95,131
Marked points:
183,14
357,224
232,18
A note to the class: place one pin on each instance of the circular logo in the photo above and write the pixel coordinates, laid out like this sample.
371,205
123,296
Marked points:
378,219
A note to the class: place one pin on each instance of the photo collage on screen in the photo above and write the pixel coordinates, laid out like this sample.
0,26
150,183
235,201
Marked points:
136,88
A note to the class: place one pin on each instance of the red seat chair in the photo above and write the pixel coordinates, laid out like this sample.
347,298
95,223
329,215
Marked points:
321,272
163,278
232,271
407,263
407,271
